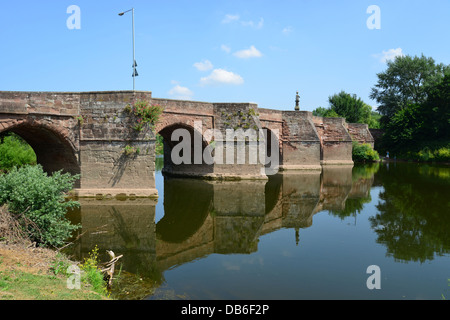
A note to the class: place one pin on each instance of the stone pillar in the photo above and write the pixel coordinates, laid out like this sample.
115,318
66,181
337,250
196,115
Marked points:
242,121
115,159
336,142
301,142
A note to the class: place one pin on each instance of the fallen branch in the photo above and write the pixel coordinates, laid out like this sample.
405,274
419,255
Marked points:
110,266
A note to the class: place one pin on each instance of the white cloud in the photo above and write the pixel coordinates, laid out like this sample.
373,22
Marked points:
252,24
230,18
390,54
288,30
252,52
221,76
225,48
205,65
182,93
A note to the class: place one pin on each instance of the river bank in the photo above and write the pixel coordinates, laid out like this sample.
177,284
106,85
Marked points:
27,273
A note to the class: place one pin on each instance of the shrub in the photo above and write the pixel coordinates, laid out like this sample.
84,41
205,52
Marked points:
15,152
427,154
32,195
364,153
145,114
92,274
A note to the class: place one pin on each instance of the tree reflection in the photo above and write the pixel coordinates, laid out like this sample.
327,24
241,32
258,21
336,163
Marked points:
410,222
362,180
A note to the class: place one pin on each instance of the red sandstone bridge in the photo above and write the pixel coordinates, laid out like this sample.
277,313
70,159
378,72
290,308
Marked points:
86,133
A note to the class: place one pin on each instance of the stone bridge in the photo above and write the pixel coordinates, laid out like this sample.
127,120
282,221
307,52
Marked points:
86,133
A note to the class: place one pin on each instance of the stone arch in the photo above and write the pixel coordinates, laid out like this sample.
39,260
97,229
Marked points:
54,149
197,144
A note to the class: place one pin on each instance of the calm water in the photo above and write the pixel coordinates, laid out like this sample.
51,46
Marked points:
297,236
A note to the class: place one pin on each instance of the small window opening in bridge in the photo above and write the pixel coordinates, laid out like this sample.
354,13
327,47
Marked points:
15,152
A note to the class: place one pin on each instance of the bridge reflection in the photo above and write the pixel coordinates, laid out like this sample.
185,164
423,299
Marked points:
206,217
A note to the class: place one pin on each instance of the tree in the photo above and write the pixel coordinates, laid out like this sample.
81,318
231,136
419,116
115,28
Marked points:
436,111
15,152
407,80
324,112
350,107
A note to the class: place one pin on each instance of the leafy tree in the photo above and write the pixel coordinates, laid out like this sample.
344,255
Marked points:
350,107
421,131
436,111
15,152
324,112
407,80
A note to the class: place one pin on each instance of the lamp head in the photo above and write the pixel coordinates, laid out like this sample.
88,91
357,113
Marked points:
121,14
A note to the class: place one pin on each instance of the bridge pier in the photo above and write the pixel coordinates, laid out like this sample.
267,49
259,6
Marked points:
115,159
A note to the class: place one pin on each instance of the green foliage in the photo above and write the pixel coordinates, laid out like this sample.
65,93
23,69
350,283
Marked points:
421,131
91,273
34,196
430,155
324,112
350,107
364,153
129,150
15,152
146,115
159,148
60,264
406,81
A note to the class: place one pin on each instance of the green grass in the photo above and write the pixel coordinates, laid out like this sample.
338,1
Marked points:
19,285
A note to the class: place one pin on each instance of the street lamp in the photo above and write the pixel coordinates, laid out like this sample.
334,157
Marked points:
135,73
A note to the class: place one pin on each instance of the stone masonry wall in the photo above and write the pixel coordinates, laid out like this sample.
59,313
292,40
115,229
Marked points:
106,130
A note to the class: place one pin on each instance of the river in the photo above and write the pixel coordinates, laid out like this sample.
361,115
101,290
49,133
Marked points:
378,231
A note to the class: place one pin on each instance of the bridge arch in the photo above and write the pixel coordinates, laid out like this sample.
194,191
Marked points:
54,150
197,143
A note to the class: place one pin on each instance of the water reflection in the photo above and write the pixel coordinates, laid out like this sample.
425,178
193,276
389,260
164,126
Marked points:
201,218
413,220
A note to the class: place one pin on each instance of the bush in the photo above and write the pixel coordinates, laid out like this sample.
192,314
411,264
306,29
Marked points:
92,274
427,154
364,153
32,195
15,152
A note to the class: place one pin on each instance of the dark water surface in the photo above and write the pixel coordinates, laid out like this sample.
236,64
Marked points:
297,236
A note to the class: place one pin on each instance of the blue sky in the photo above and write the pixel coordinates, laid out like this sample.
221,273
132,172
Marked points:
217,51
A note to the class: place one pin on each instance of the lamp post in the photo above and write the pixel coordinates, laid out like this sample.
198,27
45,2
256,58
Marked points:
135,74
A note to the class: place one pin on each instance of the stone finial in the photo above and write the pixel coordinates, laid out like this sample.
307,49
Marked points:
297,102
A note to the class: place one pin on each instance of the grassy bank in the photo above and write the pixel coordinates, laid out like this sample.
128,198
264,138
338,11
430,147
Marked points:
28,273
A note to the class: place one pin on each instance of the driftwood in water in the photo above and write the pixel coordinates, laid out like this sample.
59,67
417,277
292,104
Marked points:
110,266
